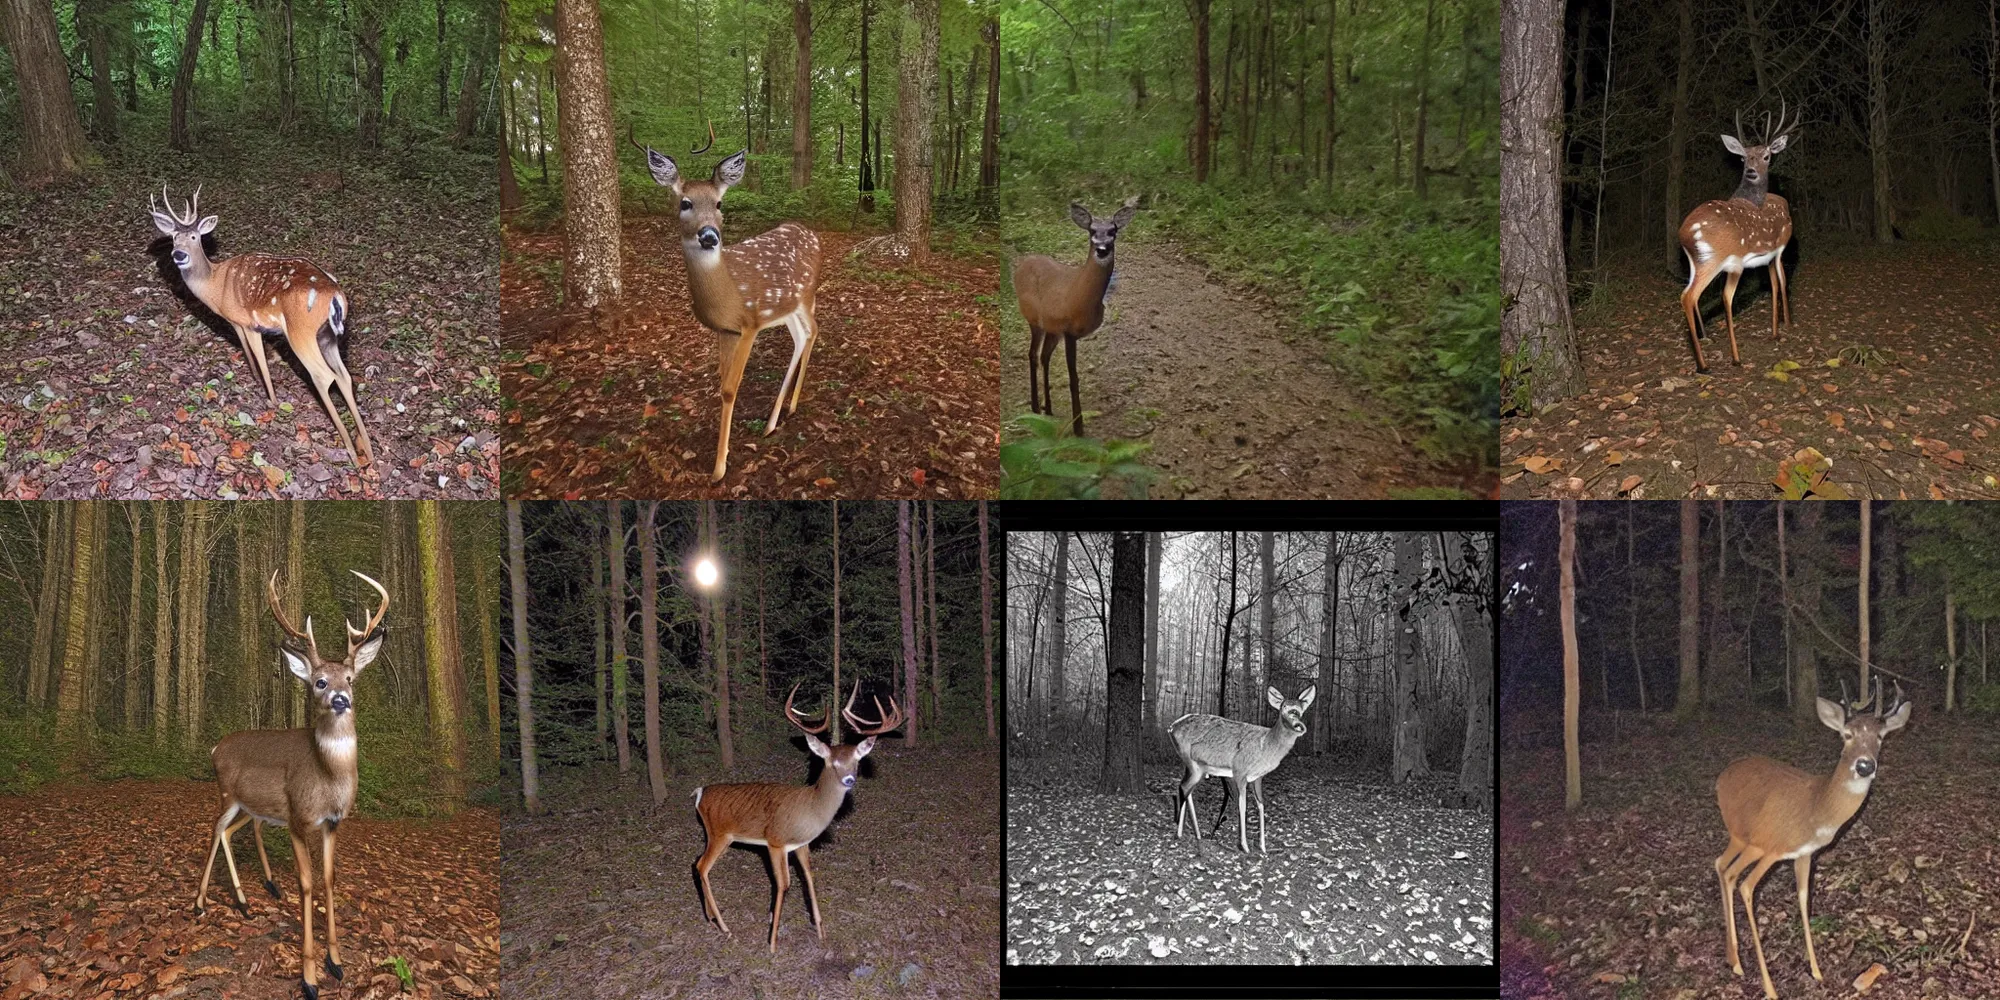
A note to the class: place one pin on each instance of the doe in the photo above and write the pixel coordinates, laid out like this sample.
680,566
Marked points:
1748,229
1242,752
1059,300
1775,811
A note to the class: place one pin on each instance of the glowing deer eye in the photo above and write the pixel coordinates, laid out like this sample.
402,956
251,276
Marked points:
686,205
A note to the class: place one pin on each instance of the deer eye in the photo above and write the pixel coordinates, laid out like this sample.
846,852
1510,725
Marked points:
321,683
686,205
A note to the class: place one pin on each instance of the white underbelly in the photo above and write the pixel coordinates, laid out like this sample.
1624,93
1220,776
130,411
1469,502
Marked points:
1750,260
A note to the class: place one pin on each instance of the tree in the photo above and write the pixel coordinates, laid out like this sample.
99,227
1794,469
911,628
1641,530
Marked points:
916,112
135,521
93,17
443,672
524,676
1689,698
1867,519
866,181
489,649
1475,637
1199,10
177,129
599,611
1408,759
1125,648
930,585
903,592
1059,627
50,133
802,140
1572,769
1149,718
70,693
163,627
722,736
614,597
986,617
1540,365
592,263
368,27
989,142
649,644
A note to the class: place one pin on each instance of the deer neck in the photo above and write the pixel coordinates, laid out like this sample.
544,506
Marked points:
1753,191
199,276
828,794
334,743
1840,795
1093,281
718,302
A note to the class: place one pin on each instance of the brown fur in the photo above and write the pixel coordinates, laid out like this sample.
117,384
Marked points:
1753,222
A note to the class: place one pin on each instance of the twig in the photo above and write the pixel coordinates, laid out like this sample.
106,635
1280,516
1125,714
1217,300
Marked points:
1967,936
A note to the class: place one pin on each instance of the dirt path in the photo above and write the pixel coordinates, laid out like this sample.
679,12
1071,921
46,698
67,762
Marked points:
1235,405
1917,419
97,884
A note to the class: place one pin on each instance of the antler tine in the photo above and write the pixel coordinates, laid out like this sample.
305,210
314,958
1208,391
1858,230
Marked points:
194,204
356,636
792,715
285,625
1739,136
711,139
632,136
883,721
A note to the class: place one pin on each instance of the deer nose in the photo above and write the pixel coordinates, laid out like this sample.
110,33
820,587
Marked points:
847,781
1865,767
180,257
709,238
340,703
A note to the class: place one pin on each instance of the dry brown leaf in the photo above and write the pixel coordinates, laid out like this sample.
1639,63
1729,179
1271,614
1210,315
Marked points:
1866,981
1629,483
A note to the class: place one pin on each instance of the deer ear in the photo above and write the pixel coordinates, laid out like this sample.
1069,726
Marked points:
729,172
365,653
1832,715
818,748
206,227
1896,719
1307,696
1079,214
861,749
1777,145
1271,695
665,174
164,223
1730,143
298,664
1123,217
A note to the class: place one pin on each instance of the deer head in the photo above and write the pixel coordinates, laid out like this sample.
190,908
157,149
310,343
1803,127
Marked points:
1757,158
1104,232
842,761
1291,711
700,201
186,229
331,682
1860,730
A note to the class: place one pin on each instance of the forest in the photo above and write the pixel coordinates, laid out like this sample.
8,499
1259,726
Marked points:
1869,204
1648,652
1315,181
1132,655
359,136
738,615
870,124
137,635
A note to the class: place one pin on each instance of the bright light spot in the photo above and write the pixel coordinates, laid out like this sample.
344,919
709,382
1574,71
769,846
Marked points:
705,573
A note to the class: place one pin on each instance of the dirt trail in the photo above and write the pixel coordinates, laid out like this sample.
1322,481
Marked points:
1235,405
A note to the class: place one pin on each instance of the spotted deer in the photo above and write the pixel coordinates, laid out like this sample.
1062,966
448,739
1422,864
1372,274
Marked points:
1775,811
262,295
786,819
1061,300
1748,229
302,779
768,280
1240,751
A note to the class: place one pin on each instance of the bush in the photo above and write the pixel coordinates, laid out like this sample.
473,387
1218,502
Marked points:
1048,464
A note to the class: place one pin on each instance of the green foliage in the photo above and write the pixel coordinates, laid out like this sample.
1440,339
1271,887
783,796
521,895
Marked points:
1048,464
401,967
1936,223
28,757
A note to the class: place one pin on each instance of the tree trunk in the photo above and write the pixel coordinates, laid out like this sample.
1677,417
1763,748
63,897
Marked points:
1689,697
615,602
591,268
292,692
802,139
510,186
1408,759
247,584
478,54
489,648
1149,715
1572,766
989,141
48,599
600,601
1632,609
1677,136
70,703
97,40
1417,174
930,583
444,63
1332,90
867,179
1805,658
1201,89
986,617
1993,117
442,670
722,731
1475,636
368,31
649,645
178,135
1950,646
135,519
163,625
1228,623
1878,140
1125,647
1267,604
1864,583
835,729
1538,340
524,676
50,135
1059,628
909,619
1329,638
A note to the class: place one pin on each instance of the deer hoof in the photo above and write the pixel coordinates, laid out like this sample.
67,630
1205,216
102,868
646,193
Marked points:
243,907
331,969
311,991
272,888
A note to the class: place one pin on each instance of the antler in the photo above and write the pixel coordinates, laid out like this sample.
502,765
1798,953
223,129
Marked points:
796,719
278,611
193,209
632,136
711,139
355,637
883,722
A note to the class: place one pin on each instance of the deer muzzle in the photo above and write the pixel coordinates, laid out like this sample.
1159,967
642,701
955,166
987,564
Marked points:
340,703
1864,767
709,238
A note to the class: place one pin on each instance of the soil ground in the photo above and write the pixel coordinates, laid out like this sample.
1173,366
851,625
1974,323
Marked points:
119,383
900,397
1918,419
601,898
1619,899
1235,404
97,885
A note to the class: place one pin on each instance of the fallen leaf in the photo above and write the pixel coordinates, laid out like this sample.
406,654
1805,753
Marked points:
1865,981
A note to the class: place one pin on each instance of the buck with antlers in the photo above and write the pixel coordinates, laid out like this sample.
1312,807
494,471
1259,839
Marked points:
1059,300
261,295
767,280
1748,229
784,819
302,779
1775,811
1240,751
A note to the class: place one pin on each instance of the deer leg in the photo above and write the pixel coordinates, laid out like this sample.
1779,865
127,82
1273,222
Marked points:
798,381
1186,807
1259,786
1802,867
229,858
812,894
791,372
1075,398
1729,311
257,834
734,349
329,349
1748,890
1242,789
780,874
1048,393
1698,279
322,379
201,896
1727,867
1034,384
253,353
308,976
326,838
715,848
1783,296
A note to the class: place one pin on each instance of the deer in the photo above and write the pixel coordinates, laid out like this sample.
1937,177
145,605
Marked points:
1240,751
301,779
1060,300
1774,811
785,819
768,280
261,295
1748,229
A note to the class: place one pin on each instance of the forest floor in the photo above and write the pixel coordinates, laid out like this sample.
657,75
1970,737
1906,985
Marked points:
1234,402
120,384
1619,899
900,397
601,898
1359,873
100,881
1890,369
